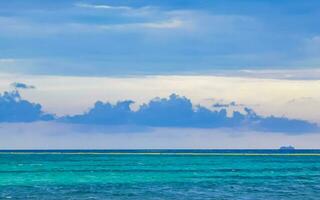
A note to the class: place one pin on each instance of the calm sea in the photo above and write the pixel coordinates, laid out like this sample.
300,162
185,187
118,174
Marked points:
166,174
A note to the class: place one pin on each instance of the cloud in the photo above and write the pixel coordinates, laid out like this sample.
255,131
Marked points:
18,85
177,111
150,19
282,124
173,23
103,6
219,35
124,10
302,100
104,113
14,109
166,24
130,19
226,105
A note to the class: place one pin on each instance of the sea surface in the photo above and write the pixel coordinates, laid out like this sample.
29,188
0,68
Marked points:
165,174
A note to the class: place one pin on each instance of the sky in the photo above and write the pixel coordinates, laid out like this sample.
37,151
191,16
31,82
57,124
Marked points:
159,74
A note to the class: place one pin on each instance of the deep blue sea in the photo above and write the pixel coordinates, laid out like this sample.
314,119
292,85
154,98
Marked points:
160,174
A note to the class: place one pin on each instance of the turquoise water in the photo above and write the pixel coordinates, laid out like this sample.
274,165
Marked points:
160,175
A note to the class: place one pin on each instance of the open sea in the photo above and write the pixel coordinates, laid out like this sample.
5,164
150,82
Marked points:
160,174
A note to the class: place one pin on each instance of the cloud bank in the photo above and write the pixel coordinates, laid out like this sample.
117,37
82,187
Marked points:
177,111
14,109
174,111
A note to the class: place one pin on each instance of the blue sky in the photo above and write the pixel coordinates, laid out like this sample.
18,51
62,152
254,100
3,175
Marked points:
157,37
245,72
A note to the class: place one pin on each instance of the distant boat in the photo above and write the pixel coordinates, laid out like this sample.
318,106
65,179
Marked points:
287,148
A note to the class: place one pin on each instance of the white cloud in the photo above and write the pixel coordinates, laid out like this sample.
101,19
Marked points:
169,24
123,10
103,6
141,18
174,23
19,27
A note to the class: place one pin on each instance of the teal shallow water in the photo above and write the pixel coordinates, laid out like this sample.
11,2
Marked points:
159,176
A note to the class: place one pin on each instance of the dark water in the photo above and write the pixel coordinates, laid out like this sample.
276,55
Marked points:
167,174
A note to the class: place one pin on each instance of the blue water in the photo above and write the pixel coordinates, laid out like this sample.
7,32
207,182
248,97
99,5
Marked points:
165,174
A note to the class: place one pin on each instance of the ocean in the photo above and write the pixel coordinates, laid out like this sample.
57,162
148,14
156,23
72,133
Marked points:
160,174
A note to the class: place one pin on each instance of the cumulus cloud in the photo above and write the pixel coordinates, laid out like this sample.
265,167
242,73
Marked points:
18,85
104,113
14,109
174,111
177,111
